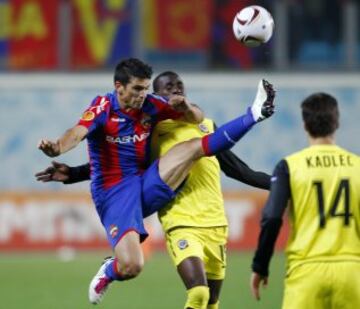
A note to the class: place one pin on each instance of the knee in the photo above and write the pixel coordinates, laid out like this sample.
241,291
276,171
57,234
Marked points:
130,269
198,297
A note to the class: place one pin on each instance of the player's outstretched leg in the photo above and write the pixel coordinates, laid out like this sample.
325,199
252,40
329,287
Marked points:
175,165
228,134
100,282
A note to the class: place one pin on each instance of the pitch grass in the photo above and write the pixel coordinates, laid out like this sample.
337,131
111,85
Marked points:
45,282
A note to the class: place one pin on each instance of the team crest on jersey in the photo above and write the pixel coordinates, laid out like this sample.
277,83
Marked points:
182,244
113,230
88,116
146,121
203,128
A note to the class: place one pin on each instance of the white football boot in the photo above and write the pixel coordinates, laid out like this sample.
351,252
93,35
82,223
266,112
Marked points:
263,106
100,283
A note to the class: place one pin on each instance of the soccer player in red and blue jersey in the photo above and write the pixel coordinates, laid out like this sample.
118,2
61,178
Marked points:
117,127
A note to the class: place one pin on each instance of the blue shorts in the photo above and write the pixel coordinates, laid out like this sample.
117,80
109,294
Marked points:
123,207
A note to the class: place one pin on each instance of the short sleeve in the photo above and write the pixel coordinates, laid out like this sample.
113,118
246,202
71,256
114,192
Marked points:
95,115
162,108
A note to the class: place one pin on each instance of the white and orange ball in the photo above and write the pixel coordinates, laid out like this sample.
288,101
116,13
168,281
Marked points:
253,26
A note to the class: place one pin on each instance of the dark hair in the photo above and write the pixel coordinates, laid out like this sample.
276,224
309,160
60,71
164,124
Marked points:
131,67
320,114
155,83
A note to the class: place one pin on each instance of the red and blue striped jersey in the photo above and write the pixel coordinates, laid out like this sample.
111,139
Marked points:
119,140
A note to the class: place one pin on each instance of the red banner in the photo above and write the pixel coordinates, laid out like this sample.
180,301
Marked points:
178,24
102,32
33,33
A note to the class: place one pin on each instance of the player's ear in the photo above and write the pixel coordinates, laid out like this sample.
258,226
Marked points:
119,87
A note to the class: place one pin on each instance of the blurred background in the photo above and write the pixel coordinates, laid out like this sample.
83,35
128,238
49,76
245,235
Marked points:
57,55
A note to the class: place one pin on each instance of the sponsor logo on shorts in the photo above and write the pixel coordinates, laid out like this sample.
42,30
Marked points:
203,128
182,244
88,116
113,230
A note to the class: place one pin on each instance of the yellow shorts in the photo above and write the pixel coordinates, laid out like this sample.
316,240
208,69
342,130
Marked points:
323,285
206,243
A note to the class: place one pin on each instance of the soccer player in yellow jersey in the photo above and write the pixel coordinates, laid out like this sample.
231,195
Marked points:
321,186
195,224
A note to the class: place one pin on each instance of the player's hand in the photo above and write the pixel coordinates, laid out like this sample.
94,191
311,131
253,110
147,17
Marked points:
56,172
255,282
50,148
179,103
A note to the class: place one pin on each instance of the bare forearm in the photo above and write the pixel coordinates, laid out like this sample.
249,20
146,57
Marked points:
71,138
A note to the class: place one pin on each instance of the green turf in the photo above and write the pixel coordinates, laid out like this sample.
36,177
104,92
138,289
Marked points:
44,282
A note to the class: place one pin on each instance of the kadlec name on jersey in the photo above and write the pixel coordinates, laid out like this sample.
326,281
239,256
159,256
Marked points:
327,160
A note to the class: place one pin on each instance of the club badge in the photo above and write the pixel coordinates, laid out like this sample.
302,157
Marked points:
88,116
146,121
182,244
203,128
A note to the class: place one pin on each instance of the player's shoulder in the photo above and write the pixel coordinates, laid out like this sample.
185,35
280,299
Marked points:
349,153
209,122
351,157
102,100
297,154
101,104
154,98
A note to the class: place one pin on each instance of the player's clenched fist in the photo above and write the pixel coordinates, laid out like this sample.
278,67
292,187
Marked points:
50,148
179,103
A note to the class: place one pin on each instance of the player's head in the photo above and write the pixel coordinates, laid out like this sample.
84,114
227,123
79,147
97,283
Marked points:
320,114
168,83
132,82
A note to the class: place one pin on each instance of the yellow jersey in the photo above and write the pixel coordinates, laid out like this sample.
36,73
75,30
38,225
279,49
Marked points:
325,205
200,202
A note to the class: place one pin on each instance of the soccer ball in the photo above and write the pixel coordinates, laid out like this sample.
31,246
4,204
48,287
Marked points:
253,26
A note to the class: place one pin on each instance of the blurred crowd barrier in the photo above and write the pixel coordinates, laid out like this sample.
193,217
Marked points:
51,221
35,106
94,34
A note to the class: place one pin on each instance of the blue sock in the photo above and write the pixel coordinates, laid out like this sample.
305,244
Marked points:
228,134
111,271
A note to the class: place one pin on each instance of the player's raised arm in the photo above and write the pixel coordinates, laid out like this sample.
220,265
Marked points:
68,141
192,113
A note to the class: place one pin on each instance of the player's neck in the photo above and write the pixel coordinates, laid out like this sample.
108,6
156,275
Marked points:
325,140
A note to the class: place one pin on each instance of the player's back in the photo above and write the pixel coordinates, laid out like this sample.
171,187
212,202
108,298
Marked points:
325,205
200,202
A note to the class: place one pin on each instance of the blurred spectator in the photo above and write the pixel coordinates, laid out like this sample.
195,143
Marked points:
314,28
226,52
